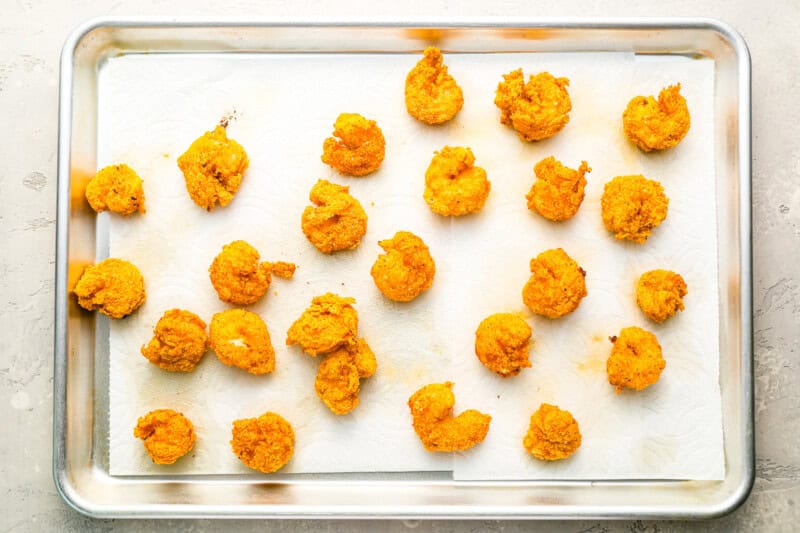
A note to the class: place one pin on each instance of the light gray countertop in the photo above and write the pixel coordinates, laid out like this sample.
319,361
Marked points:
31,35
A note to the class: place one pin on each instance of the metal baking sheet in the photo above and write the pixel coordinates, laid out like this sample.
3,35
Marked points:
81,382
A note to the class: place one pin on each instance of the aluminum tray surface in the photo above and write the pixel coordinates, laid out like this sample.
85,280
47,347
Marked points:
81,380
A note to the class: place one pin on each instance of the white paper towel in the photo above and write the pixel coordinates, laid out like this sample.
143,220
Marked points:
153,107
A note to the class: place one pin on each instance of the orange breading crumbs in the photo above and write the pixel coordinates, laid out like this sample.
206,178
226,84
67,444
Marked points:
213,168
357,147
437,428
240,338
113,286
265,443
652,125
328,323
339,375
179,341
502,342
632,206
167,435
635,361
553,434
536,110
117,188
406,269
556,286
659,294
337,221
432,95
558,191
238,276
454,186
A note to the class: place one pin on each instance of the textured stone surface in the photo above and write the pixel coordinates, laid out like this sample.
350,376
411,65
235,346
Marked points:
31,35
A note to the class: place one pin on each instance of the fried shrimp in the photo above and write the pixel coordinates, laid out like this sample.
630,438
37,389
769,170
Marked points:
556,286
454,186
406,269
502,342
327,324
437,428
117,188
213,168
432,95
179,341
635,361
536,110
558,191
633,206
357,147
113,286
337,221
240,338
238,276
659,294
265,443
339,376
167,435
553,434
652,125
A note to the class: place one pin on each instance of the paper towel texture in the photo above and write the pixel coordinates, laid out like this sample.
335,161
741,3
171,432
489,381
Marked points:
283,107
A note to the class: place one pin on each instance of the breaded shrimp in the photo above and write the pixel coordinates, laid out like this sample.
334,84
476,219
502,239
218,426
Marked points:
117,188
659,294
558,191
432,95
179,341
556,286
167,435
213,168
265,443
633,206
357,147
113,286
536,110
337,222
327,324
406,269
240,338
635,361
502,342
238,276
454,186
339,375
553,434
437,428
652,125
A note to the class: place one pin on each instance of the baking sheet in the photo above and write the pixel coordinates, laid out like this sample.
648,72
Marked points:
151,108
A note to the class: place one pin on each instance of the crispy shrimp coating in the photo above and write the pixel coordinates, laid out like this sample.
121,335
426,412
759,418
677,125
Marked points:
556,286
265,443
213,168
502,342
454,186
339,376
635,361
337,222
553,434
167,435
406,269
179,341
536,110
240,338
558,191
327,324
432,95
117,188
357,147
659,294
113,286
240,278
652,125
437,428
633,206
